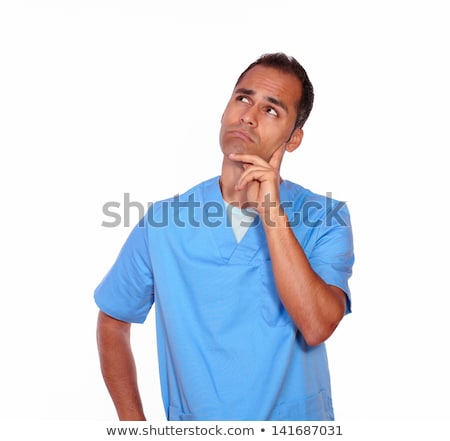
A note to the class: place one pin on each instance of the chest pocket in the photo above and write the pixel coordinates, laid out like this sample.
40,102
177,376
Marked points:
273,310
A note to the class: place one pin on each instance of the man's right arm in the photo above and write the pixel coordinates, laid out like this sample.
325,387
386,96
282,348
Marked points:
118,367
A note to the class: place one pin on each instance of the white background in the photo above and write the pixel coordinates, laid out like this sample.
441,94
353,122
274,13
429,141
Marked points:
102,98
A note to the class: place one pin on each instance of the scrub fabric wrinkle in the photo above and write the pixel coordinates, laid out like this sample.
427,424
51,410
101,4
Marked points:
227,348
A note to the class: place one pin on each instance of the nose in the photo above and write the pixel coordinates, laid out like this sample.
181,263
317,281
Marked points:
249,118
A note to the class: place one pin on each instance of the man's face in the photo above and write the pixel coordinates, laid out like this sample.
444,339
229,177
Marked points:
261,113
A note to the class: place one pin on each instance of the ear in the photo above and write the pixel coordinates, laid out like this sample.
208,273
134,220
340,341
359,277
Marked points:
295,140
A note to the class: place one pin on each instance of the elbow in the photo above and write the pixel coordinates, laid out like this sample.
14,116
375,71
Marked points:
313,340
321,329
319,334
317,337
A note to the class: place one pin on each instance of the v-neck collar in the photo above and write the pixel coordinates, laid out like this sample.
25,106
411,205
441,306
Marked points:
251,244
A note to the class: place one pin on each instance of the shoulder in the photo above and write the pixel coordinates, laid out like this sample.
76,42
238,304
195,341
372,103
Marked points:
160,212
314,209
198,189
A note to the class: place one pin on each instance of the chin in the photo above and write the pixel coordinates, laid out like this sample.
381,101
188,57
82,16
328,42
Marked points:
234,148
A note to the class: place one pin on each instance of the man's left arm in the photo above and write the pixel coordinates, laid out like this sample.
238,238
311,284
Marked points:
315,307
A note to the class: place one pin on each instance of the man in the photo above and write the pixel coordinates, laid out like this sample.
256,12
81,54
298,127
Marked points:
242,311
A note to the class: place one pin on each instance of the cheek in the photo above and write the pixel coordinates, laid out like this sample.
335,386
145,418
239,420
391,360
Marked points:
230,115
226,113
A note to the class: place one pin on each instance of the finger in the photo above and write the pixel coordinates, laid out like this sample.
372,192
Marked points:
254,174
246,180
248,159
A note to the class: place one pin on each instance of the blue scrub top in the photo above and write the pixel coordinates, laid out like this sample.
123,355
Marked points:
227,348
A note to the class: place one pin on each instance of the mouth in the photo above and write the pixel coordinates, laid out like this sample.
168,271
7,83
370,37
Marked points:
242,134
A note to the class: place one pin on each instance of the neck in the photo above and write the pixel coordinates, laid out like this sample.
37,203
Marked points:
231,173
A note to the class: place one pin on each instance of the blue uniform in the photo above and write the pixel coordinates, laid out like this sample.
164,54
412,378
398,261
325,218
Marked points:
227,348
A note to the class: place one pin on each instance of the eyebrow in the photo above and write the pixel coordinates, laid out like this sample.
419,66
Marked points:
271,99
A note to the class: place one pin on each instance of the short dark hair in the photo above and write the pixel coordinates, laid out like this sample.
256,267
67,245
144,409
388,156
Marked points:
290,65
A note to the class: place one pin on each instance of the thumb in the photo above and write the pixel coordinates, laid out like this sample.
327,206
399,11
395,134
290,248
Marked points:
275,160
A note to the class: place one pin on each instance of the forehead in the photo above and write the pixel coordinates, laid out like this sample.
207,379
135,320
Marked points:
272,82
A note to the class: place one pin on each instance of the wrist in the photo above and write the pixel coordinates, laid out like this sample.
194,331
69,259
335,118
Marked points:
274,218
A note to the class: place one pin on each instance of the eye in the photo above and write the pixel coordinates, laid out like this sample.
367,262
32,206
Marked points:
243,99
272,111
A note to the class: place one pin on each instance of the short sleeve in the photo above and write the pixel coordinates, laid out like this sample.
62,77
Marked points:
332,256
126,291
